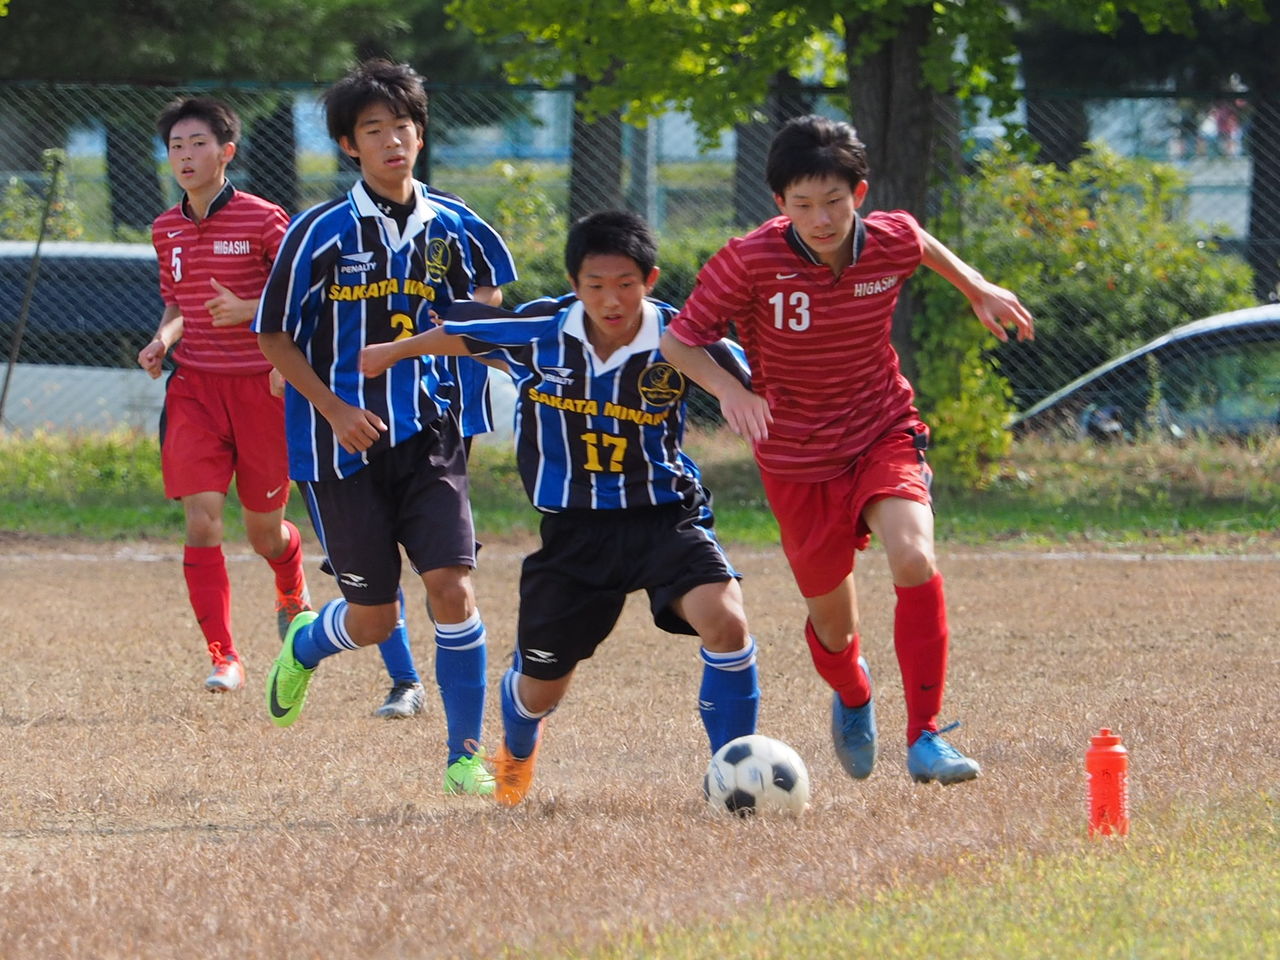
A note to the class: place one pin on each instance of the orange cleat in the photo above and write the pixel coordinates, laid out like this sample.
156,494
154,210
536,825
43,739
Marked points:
514,776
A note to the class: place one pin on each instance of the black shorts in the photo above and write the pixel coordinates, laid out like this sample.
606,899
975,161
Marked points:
414,494
572,590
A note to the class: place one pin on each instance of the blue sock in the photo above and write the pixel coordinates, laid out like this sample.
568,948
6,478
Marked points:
324,636
520,727
460,667
729,699
396,655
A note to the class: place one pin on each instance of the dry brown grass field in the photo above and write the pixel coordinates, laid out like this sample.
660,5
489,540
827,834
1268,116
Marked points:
141,817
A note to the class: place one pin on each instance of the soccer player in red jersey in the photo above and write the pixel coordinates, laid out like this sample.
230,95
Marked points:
836,435
221,414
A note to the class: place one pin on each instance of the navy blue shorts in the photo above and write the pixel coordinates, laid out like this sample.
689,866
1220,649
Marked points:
572,590
415,495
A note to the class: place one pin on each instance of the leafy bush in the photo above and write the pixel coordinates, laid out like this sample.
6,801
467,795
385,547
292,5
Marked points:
22,207
1100,254
1101,257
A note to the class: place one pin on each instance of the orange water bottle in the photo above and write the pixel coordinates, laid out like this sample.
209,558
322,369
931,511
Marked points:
1107,765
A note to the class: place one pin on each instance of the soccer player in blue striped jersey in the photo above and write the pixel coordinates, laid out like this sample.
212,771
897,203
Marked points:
465,386
379,461
600,417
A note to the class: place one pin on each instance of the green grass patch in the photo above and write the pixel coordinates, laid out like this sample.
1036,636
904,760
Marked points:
1053,491
108,486
1193,883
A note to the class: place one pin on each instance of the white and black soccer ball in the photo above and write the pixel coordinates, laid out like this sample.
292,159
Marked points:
756,775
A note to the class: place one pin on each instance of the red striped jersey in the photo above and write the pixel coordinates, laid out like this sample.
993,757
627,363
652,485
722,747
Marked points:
818,345
235,243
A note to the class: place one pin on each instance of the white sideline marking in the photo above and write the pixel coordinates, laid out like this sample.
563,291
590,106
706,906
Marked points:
1121,557
130,556
138,556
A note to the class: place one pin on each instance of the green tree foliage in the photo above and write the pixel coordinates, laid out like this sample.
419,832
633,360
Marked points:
718,58
1100,255
173,42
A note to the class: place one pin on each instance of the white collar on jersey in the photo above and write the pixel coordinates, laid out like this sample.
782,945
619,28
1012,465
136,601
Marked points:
645,340
417,222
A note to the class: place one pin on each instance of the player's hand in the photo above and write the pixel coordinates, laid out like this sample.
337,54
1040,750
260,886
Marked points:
999,308
227,309
747,415
356,429
377,358
151,358
277,382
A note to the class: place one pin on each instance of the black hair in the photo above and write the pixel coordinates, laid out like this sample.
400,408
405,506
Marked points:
814,146
617,232
222,120
397,85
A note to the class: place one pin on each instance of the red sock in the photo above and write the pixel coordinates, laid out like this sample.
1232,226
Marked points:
920,637
840,670
210,591
288,566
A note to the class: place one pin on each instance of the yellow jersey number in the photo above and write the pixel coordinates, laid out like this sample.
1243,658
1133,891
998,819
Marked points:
614,447
404,323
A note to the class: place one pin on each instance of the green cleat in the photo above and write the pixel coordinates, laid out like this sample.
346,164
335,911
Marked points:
468,775
288,679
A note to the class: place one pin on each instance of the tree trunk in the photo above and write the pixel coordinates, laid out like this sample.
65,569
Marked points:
272,161
752,200
595,165
893,110
31,125
134,187
1059,125
1264,194
642,179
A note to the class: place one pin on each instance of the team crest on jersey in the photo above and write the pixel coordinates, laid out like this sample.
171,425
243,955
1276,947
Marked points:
661,384
438,257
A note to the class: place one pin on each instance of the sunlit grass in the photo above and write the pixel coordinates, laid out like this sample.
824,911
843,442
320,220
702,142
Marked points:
1193,883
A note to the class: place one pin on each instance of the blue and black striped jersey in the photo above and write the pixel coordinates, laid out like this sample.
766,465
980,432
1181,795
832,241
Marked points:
493,266
591,434
346,276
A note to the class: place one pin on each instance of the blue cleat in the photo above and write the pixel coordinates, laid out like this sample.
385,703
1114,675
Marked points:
932,758
853,731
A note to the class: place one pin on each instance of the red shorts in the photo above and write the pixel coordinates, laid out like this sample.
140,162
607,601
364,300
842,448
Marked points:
215,425
821,524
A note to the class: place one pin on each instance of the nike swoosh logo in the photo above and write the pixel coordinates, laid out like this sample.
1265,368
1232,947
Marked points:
173,233
787,276
927,686
272,493
273,704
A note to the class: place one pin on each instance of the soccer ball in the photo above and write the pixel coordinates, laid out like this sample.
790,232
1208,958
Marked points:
756,774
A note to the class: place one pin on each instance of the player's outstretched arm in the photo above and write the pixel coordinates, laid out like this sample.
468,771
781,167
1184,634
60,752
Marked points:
354,428
746,413
379,357
995,306
151,357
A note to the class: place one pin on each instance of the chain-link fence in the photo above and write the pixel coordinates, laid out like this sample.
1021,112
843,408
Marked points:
1177,219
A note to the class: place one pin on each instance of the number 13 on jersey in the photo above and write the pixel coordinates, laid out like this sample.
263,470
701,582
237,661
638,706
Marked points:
790,311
